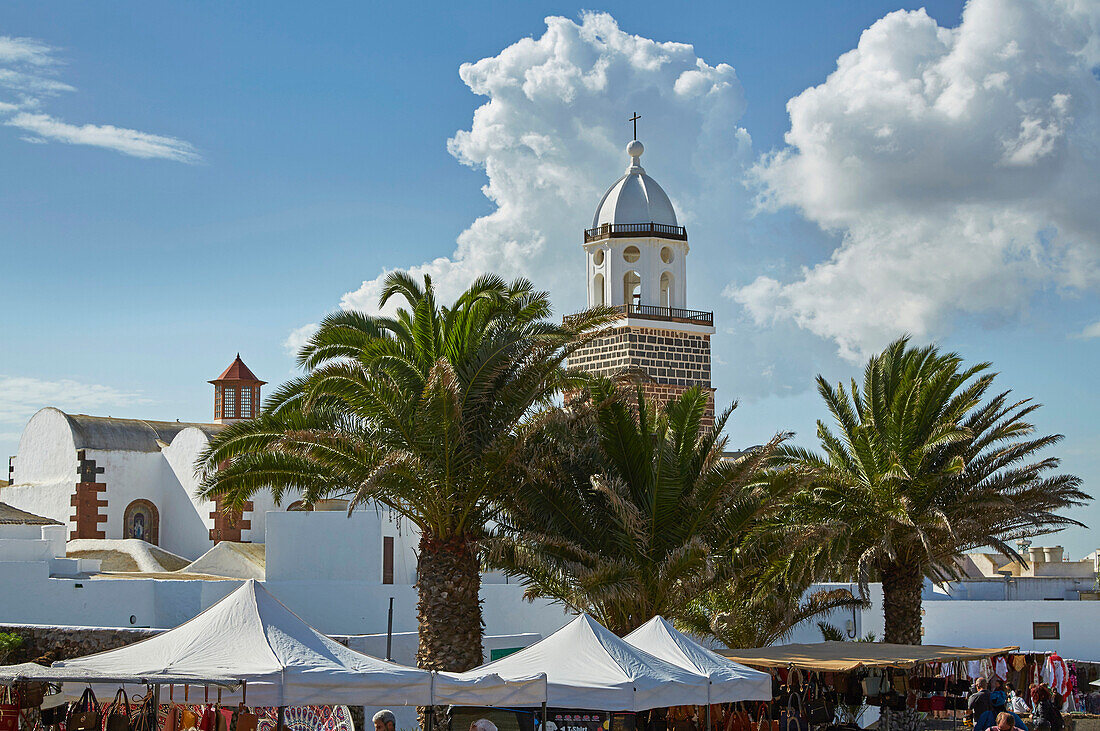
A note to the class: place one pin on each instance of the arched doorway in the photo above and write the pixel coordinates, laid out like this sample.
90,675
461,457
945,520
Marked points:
632,288
666,289
142,521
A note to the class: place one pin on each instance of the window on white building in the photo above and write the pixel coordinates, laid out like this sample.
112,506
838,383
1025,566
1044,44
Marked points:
1045,631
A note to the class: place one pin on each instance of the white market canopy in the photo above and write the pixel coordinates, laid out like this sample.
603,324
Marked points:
729,681
250,637
587,666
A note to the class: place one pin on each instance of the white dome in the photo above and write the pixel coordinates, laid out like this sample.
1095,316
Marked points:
635,197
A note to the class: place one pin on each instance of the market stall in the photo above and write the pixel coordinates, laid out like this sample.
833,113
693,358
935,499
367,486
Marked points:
588,667
729,681
848,656
251,648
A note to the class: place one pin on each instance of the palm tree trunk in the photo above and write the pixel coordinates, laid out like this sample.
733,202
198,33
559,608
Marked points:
901,602
448,609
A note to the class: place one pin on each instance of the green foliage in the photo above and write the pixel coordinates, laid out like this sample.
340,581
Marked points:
832,633
628,511
925,465
423,412
9,643
757,609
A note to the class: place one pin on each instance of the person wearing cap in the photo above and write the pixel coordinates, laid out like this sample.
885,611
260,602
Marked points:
483,724
384,720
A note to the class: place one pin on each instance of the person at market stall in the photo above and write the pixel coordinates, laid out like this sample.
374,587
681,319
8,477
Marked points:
978,702
1016,702
998,702
1047,713
1005,722
384,720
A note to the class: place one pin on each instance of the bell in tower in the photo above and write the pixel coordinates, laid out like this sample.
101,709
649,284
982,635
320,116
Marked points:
636,255
236,393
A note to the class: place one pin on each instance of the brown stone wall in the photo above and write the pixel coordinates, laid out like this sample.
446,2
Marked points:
45,644
669,357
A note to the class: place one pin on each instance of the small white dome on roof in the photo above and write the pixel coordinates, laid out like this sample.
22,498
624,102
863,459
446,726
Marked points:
635,197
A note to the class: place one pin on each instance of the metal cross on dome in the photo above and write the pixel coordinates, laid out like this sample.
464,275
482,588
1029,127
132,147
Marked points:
635,119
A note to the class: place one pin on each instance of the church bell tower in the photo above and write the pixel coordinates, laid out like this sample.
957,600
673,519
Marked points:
636,255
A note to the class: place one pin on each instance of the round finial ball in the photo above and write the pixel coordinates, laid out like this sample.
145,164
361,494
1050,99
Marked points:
635,149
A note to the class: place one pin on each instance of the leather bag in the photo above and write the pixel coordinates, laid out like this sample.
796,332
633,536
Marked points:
9,711
145,718
224,719
209,719
246,719
738,720
817,706
84,715
117,715
188,719
793,717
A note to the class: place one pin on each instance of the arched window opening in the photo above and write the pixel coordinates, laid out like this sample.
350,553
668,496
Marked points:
299,506
141,520
597,290
666,290
632,288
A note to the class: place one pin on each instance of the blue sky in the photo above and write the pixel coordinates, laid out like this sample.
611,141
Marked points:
251,167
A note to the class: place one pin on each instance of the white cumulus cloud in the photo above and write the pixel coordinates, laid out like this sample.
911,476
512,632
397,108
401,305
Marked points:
957,167
28,73
550,137
298,337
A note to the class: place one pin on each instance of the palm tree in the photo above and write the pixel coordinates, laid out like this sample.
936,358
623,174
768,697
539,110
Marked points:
628,512
922,470
422,412
742,615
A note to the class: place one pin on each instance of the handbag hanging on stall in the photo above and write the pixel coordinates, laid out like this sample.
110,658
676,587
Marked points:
764,721
9,710
117,715
246,719
817,708
793,717
145,718
84,715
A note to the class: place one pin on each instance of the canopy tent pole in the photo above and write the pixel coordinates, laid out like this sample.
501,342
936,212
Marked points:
279,718
708,705
543,727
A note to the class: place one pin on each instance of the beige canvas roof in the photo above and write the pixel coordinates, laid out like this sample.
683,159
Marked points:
845,656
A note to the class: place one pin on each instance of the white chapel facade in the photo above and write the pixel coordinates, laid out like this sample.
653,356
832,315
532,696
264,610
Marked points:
636,256
107,478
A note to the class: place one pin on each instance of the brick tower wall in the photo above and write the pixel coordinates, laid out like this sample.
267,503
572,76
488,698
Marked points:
673,359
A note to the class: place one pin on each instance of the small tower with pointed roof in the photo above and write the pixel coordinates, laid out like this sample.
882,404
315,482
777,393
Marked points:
236,393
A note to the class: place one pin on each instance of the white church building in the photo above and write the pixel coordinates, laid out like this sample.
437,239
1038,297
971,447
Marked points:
111,478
